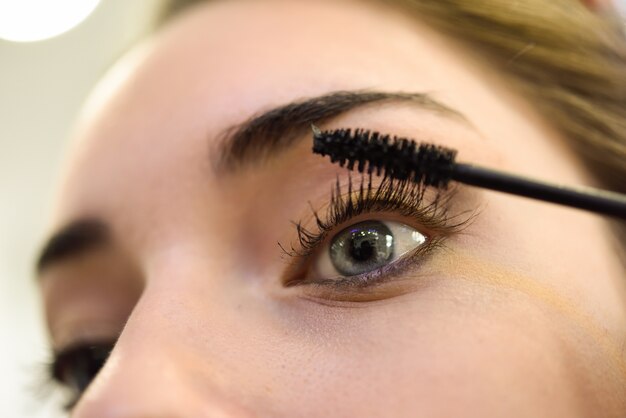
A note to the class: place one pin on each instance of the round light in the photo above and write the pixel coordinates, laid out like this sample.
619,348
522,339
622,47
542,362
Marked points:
34,20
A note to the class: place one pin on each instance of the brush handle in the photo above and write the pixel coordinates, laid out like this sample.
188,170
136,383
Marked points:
595,200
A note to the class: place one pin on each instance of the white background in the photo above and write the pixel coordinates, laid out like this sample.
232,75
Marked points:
42,86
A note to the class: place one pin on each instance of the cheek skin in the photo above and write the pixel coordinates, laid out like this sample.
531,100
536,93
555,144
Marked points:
476,319
592,355
423,351
582,324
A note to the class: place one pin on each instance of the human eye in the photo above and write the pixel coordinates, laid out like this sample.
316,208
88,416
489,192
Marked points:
370,234
75,367
364,248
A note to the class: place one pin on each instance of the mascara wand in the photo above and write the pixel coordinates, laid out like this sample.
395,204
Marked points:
432,165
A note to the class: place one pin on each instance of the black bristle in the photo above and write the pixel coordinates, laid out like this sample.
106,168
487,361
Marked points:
399,158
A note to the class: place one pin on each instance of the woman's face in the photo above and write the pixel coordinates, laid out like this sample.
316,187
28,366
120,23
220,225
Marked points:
177,241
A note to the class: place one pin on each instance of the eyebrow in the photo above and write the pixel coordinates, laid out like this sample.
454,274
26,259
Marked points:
274,131
72,240
262,136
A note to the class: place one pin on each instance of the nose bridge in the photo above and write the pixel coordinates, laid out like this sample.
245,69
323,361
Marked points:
158,370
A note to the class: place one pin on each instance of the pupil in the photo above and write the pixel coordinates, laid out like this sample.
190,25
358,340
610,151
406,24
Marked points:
363,245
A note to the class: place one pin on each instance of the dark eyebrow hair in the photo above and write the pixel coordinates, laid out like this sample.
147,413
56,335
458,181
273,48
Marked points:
72,240
258,138
268,133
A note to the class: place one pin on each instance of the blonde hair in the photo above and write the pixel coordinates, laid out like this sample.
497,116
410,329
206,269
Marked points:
568,61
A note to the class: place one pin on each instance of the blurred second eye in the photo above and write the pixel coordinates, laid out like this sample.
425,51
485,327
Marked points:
365,247
75,368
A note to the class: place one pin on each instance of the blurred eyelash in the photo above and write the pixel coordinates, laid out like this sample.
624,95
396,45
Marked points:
43,389
404,197
47,390
50,382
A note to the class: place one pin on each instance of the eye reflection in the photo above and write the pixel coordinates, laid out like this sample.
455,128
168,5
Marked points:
367,246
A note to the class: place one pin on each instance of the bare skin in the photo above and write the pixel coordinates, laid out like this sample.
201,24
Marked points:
522,313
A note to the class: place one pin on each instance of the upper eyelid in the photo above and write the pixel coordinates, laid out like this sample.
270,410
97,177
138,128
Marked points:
386,197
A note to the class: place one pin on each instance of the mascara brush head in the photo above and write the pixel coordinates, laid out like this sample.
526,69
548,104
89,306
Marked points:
398,158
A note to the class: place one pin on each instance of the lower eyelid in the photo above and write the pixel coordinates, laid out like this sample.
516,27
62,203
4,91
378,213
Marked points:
378,284
402,281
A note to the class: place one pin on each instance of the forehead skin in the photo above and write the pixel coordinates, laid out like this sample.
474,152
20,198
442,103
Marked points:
229,61
141,162
232,60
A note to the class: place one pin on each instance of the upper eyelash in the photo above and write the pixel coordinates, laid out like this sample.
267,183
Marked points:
401,196
49,387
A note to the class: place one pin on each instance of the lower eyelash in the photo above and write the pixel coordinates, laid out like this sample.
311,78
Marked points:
376,277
